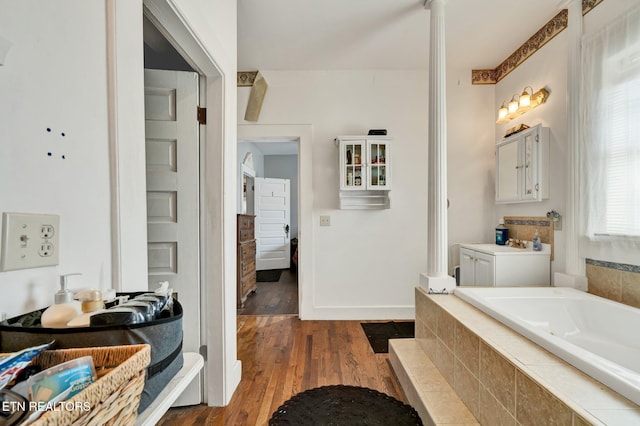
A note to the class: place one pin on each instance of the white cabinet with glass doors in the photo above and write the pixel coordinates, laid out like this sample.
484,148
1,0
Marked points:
364,163
365,171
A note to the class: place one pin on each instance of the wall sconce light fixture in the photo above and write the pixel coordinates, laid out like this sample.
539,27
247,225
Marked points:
502,112
518,105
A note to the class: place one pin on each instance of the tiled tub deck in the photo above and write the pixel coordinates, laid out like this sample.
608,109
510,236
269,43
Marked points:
501,377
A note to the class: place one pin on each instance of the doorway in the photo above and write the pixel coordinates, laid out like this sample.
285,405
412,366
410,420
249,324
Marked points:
217,322
269,182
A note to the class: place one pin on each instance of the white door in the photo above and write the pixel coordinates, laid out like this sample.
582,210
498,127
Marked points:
467,267
507,170
272,209
171,133
485,269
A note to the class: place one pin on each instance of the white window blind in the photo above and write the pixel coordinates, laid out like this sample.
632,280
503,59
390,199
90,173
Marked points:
611,172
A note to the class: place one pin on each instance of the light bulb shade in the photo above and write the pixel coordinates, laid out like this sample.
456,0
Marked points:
525,98
513,106
502,112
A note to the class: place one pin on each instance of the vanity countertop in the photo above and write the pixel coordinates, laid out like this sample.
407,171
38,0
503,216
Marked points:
494,249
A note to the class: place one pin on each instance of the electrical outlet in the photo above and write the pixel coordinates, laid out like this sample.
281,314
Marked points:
46,231
325,220
29,240
46,250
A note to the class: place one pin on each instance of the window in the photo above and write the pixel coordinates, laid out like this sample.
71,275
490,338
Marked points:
611,172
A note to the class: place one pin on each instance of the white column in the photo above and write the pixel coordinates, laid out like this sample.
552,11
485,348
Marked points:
574,275
437,278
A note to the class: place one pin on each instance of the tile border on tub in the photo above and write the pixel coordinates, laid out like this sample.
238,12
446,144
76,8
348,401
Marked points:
613,265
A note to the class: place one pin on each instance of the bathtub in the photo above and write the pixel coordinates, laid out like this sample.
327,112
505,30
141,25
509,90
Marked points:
595,335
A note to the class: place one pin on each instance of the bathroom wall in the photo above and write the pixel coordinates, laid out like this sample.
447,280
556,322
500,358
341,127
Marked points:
55,77
615,281
612,271
546,68
367,262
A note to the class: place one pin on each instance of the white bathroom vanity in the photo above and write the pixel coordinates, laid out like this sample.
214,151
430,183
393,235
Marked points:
495,265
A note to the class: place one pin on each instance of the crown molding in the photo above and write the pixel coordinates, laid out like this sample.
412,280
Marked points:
545,34
246,78
588,5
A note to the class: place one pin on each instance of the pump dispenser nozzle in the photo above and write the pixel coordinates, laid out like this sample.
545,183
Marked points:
64,308
64,295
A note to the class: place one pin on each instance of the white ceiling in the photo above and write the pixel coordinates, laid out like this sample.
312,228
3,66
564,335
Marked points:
381,34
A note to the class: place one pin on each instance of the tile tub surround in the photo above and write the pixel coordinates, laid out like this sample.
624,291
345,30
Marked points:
503,378
615,281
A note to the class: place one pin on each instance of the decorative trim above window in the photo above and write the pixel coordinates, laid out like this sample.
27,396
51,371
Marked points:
551,29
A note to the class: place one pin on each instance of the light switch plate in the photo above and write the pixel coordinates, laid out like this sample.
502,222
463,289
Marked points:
29,240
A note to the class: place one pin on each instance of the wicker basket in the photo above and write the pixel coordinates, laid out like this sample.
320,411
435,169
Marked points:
112,399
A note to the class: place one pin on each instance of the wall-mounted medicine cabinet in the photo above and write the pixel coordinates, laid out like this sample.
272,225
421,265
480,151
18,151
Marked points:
522,166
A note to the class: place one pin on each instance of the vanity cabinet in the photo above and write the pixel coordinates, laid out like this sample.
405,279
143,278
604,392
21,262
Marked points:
365,171
246,258
503,266
522,166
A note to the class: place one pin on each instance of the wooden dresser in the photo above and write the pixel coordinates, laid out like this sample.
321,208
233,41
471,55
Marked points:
246,275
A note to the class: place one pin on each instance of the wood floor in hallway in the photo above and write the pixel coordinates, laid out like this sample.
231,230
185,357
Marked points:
273,298
281,356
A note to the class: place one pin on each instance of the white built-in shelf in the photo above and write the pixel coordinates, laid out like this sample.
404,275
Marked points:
193,363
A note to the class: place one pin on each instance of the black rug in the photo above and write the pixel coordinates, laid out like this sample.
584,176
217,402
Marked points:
268,276
340,405
379,333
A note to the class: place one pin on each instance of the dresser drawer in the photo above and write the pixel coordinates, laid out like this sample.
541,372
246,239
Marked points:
247,266
248,250
245,227
249,281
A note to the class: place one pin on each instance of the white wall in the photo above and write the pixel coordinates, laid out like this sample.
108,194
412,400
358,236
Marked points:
368,262
285,167
546,68
55,77
470,161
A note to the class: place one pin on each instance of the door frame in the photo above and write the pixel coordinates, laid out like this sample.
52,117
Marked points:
127,182
302,134
214,320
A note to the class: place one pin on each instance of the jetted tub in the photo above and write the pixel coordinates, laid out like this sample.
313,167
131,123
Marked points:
595,335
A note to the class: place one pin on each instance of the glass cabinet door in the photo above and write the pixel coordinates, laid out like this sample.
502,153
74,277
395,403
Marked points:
353,171
378,164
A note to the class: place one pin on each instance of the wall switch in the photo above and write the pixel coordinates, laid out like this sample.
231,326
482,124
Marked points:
325,220
29,240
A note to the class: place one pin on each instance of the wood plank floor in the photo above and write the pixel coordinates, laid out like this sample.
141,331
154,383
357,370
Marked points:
274,298
282,356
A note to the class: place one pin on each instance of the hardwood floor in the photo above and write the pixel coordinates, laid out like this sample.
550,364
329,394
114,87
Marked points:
274,298
282,356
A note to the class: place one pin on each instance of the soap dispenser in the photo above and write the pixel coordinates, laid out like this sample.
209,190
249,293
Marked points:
64,308
92,304
537,245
